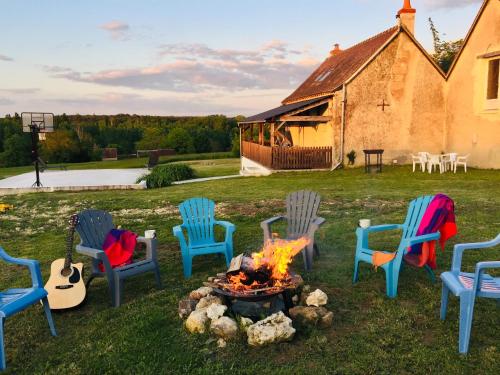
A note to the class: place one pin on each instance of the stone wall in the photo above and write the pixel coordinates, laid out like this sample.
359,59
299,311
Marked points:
414,120
473,123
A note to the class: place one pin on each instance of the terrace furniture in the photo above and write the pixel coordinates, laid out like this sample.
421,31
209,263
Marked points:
93,227
449,161
154,157
198,216
461,160
468,286
15,300
378,163
44,166
435,161
419,159
302,219
416,211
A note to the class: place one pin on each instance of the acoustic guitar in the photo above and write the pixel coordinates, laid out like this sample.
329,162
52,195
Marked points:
65,287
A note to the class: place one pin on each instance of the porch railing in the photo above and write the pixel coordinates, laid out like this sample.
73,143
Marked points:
288,158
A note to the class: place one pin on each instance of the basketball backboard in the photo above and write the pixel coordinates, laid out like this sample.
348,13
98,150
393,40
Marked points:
42,122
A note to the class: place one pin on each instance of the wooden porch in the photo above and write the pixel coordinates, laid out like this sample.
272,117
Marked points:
286,158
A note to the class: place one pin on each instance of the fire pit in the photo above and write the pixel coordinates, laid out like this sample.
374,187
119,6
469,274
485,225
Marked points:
261,283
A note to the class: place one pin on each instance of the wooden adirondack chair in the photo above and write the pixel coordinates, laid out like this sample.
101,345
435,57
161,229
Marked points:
15,300
301,216
198,215
93,227
468,286
364,253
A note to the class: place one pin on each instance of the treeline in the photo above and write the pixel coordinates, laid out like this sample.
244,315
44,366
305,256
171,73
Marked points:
80,138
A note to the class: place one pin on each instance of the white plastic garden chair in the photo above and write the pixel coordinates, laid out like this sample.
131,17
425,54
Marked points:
433,161
418,159
449,161
461,160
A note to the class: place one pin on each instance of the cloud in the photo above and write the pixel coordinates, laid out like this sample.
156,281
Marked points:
116,102
5,101
116,29
6,58
199,68
436,4
20,91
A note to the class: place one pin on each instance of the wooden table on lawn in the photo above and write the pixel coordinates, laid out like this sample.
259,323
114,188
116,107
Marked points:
368,161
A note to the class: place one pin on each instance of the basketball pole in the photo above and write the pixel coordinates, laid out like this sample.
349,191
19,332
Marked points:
34,153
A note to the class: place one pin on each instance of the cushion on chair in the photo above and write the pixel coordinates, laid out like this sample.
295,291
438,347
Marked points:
14,300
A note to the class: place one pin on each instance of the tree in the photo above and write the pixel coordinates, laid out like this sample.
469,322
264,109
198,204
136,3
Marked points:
180,140
444,51
152,139
61,146
17,151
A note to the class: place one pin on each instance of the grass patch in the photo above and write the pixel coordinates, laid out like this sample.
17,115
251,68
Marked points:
371,334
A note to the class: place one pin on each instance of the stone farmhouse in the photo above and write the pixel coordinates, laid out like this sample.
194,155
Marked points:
386,93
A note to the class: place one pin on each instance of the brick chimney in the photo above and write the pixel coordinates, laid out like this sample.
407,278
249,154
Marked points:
406,16
336,50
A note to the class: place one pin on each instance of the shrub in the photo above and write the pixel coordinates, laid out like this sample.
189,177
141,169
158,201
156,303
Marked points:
164,175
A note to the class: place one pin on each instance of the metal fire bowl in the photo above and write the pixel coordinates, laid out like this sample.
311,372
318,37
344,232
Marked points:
262,294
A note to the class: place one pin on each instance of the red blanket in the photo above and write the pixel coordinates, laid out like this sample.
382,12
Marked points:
119,246
439,216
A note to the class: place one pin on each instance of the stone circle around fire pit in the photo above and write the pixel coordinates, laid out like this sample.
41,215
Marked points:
204,312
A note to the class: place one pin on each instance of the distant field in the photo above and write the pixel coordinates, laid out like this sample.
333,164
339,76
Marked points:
132,163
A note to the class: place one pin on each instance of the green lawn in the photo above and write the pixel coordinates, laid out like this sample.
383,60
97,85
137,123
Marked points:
371,334
126,163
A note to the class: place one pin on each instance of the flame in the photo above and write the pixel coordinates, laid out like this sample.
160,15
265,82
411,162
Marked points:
275,256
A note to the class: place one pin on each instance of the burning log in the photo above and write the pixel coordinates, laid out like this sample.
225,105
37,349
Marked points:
242,270
265,269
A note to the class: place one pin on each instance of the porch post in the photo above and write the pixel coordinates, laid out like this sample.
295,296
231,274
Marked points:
261,134
241,140
272,135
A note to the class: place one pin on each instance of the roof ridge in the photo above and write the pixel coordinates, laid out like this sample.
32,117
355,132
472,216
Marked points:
395,28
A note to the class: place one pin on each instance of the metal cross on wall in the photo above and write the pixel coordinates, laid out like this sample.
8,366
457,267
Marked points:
383,105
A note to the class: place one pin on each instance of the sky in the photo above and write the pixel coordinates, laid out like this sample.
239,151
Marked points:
186,57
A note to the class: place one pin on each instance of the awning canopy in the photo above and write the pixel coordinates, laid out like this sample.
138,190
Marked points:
275,113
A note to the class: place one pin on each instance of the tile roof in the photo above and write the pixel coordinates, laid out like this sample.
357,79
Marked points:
339,67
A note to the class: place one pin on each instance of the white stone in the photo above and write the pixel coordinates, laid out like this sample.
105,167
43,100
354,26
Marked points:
215,311
207,301
197,321
201,292
317,298
274,329
224,327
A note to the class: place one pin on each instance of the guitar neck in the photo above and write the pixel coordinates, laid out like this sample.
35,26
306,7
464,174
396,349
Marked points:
69,242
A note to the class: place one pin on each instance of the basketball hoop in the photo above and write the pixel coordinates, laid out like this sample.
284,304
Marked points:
37,123
42,122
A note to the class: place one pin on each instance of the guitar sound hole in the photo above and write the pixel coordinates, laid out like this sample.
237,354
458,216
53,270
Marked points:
66,271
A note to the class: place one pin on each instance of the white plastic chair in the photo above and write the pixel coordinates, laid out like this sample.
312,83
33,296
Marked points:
452,159
461,160
433,161
418,159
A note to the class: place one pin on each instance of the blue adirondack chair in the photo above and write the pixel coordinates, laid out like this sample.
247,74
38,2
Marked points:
467,286
364,253
198,215
15,300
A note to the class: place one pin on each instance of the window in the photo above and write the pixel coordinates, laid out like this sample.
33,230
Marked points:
322,76
493,79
